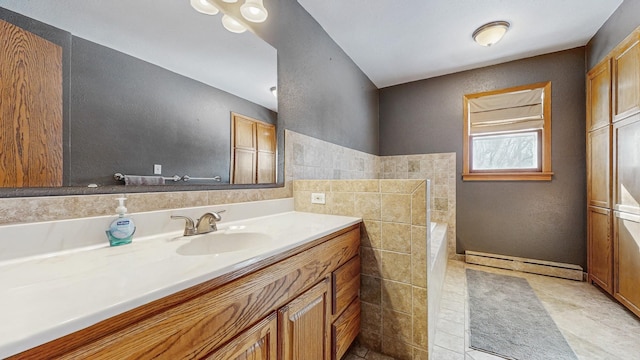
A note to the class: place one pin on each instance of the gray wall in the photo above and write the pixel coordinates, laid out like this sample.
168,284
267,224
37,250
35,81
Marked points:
621,23
321,92
540,220
127,115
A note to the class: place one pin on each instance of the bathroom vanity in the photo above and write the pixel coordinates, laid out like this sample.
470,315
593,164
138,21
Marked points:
292,300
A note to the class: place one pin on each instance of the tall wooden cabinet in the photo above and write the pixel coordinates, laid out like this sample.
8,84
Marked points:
253,151
599,229
613,173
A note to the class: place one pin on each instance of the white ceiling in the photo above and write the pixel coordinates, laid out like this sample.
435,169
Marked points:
395,42
170,34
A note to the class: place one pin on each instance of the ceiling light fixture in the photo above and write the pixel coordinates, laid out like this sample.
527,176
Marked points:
254,11
251,10
274,91
232,24
204,7
491,33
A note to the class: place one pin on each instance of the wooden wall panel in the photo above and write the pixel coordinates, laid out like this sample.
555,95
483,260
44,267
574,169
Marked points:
599,93
600,245
627,78
599,167
30,109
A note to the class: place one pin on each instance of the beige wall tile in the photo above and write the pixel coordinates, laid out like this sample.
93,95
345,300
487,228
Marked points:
355,186
396,296
420,318
419,256
397,349
371,289
396,326
370,234
418,205
370,340
396,208
396,237
441,204
370,261
396,266
399,186
367,205
419,354
370,318
419,269
312,185
341,203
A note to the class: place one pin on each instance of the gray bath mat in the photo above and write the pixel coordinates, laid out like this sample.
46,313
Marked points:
507,319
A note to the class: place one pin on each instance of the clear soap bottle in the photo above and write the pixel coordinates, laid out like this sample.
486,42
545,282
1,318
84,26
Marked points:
121,230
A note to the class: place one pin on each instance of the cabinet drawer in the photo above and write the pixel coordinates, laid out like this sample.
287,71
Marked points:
346,284
345,329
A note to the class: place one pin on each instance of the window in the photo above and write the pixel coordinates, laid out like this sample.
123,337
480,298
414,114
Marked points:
507,134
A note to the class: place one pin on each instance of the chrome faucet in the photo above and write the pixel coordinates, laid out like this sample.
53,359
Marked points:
189,228
206,223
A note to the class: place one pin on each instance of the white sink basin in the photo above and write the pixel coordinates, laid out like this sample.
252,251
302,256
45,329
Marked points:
223,242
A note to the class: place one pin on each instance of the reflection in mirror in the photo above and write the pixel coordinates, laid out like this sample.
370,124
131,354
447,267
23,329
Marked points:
148,83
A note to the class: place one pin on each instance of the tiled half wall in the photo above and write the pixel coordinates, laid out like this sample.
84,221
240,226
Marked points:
393,257
309,158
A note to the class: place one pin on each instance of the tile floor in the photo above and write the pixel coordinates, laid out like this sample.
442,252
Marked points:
595,326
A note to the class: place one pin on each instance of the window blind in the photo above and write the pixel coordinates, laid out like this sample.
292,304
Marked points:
521,110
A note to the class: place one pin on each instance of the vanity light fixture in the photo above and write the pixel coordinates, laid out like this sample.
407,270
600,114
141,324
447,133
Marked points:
490,33
254,11
204,7
274,91
251,10
232,24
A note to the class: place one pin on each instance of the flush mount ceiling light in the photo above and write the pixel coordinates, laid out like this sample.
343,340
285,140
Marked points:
491,33
254,11
232,24
251,10
204,7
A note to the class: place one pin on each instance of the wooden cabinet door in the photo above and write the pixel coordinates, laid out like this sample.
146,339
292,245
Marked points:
599,167
600,247
30,109
599,96
266,165
257,343
626,165
304,325
627,260
626,70
253,155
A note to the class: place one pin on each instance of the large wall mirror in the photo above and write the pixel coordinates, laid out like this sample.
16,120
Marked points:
145,83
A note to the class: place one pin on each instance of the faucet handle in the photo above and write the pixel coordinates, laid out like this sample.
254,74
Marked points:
189,227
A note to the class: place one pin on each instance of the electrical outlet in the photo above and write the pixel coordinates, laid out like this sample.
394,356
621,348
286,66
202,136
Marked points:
317,198
157,169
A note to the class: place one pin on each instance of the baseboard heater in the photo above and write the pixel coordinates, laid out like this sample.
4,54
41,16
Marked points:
541,267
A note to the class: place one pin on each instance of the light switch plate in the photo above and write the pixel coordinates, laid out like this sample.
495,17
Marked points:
317,198
157,169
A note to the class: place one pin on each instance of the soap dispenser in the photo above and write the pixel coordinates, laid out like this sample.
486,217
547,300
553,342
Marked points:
121,230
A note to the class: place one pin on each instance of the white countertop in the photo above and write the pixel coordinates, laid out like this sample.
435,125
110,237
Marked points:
47,297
